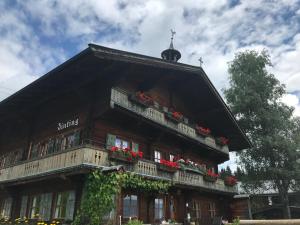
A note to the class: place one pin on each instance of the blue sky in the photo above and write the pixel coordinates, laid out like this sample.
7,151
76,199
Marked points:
36,36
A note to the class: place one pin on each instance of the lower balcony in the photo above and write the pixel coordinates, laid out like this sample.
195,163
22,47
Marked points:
93,157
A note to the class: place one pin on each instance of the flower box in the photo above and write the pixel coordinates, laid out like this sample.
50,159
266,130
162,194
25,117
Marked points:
194,170
222,141
119,156
141,99
209,178
175,117
187,165
230,181
125,155
202,131
168,166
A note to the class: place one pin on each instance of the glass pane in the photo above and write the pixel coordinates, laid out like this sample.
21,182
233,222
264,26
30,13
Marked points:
70,205
23,206
118,143
125,144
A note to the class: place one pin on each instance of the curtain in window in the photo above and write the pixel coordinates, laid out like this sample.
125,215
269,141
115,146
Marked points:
6,208
130,206
23,209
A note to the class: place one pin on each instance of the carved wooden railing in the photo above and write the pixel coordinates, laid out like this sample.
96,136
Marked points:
54,162
98,158
193,179
121,98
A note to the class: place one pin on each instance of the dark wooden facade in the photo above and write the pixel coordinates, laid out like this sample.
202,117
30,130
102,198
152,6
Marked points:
56,130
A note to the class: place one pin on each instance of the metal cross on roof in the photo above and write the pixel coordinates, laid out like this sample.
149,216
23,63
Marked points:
201,61
173,32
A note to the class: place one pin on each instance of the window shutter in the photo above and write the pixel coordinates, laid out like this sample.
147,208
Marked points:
110,141
77,138
135,147
70,205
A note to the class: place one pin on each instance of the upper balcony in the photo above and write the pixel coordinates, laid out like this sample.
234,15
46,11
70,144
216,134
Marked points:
91,157
156,114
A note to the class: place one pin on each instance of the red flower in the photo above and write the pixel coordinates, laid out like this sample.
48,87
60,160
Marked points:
203,130
177,115
231,180
114,148
140,154
143,97
212,174
169,163
126,150
223,140
133,154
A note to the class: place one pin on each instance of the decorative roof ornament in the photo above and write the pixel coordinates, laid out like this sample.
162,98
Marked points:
171,54
201,61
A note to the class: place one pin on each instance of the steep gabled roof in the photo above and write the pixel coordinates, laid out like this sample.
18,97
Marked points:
84,68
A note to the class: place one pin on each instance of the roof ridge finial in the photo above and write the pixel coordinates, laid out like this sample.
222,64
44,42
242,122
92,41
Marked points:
173,32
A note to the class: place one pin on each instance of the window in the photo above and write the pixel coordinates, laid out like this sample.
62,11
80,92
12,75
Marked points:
158,209
5,208
196,209
121,143
212,209
64,205
11,158
157,156
55,144
23,208
172,157
41,206
130,206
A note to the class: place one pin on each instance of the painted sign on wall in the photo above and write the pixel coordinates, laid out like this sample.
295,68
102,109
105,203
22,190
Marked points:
67,124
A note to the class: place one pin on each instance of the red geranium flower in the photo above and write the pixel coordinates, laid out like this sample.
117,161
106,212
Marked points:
114,148
140,154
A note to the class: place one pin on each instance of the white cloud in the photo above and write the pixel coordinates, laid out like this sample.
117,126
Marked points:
292,100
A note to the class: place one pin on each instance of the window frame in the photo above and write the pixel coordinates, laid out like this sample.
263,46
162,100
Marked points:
159,209
155,156
130,208
63,205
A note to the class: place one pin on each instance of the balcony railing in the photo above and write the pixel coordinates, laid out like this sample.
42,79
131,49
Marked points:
91,156
54,163
121,98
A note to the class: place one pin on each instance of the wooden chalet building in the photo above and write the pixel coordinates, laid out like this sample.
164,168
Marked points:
68,123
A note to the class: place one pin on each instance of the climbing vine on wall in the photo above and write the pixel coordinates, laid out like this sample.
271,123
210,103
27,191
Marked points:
100,191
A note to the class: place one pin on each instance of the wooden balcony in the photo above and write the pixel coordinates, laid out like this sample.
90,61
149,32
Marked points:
121,99
94,157
54,163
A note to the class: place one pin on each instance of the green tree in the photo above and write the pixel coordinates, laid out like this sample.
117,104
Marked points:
254,98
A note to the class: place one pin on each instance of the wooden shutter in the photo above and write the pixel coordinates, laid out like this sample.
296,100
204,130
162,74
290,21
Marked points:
110,141
77,138
135,147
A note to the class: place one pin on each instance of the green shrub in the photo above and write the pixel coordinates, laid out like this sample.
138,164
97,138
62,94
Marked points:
236,221
135,222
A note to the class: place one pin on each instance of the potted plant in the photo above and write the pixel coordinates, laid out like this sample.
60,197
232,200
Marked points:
141,98
188,165
126,155
203,131
230,181
210,176
174,116
222,141
168,166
